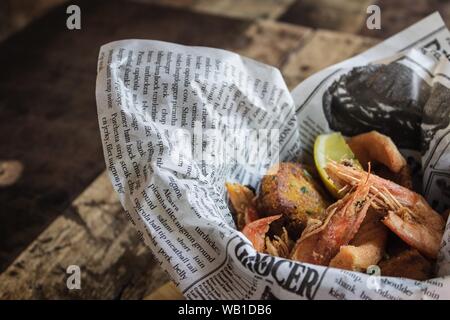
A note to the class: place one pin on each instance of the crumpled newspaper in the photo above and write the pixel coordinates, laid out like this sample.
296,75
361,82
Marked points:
178,122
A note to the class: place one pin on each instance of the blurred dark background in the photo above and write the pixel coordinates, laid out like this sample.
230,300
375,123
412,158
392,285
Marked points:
49,143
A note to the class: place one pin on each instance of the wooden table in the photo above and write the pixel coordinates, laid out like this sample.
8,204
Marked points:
92,232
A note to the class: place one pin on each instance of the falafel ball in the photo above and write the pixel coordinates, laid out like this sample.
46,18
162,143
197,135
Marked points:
289,189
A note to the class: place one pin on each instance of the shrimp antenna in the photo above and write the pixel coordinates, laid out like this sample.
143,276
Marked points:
369,168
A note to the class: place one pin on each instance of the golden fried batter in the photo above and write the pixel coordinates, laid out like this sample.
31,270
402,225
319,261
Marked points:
243,204
366,248
408,264
374,146
279,246
289,189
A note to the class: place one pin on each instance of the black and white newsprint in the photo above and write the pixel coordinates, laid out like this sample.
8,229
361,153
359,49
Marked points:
178,122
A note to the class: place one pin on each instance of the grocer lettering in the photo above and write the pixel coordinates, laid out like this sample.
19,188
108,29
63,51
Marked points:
291,276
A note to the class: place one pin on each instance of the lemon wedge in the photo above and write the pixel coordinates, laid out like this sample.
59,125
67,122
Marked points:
331,147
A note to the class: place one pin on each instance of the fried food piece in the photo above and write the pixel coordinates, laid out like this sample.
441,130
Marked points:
374,146
403,177
243,204
318,245
256,231
420,233
366,248
289,189
279,246
408,264
406,213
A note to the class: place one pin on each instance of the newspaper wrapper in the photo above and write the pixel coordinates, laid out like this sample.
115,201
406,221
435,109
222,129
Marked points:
178,122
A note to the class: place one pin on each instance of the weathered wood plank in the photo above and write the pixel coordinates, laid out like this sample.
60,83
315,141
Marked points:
168,291
338,15
93,234
272,42
250,9
323,49
247,9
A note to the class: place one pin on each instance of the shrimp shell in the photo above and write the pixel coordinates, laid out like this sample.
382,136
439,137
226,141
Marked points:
406,213
256,231
344,217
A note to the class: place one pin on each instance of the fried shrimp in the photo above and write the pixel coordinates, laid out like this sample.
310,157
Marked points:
374,146
320,243
405,212
279,246
366,248
243,202
256,231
